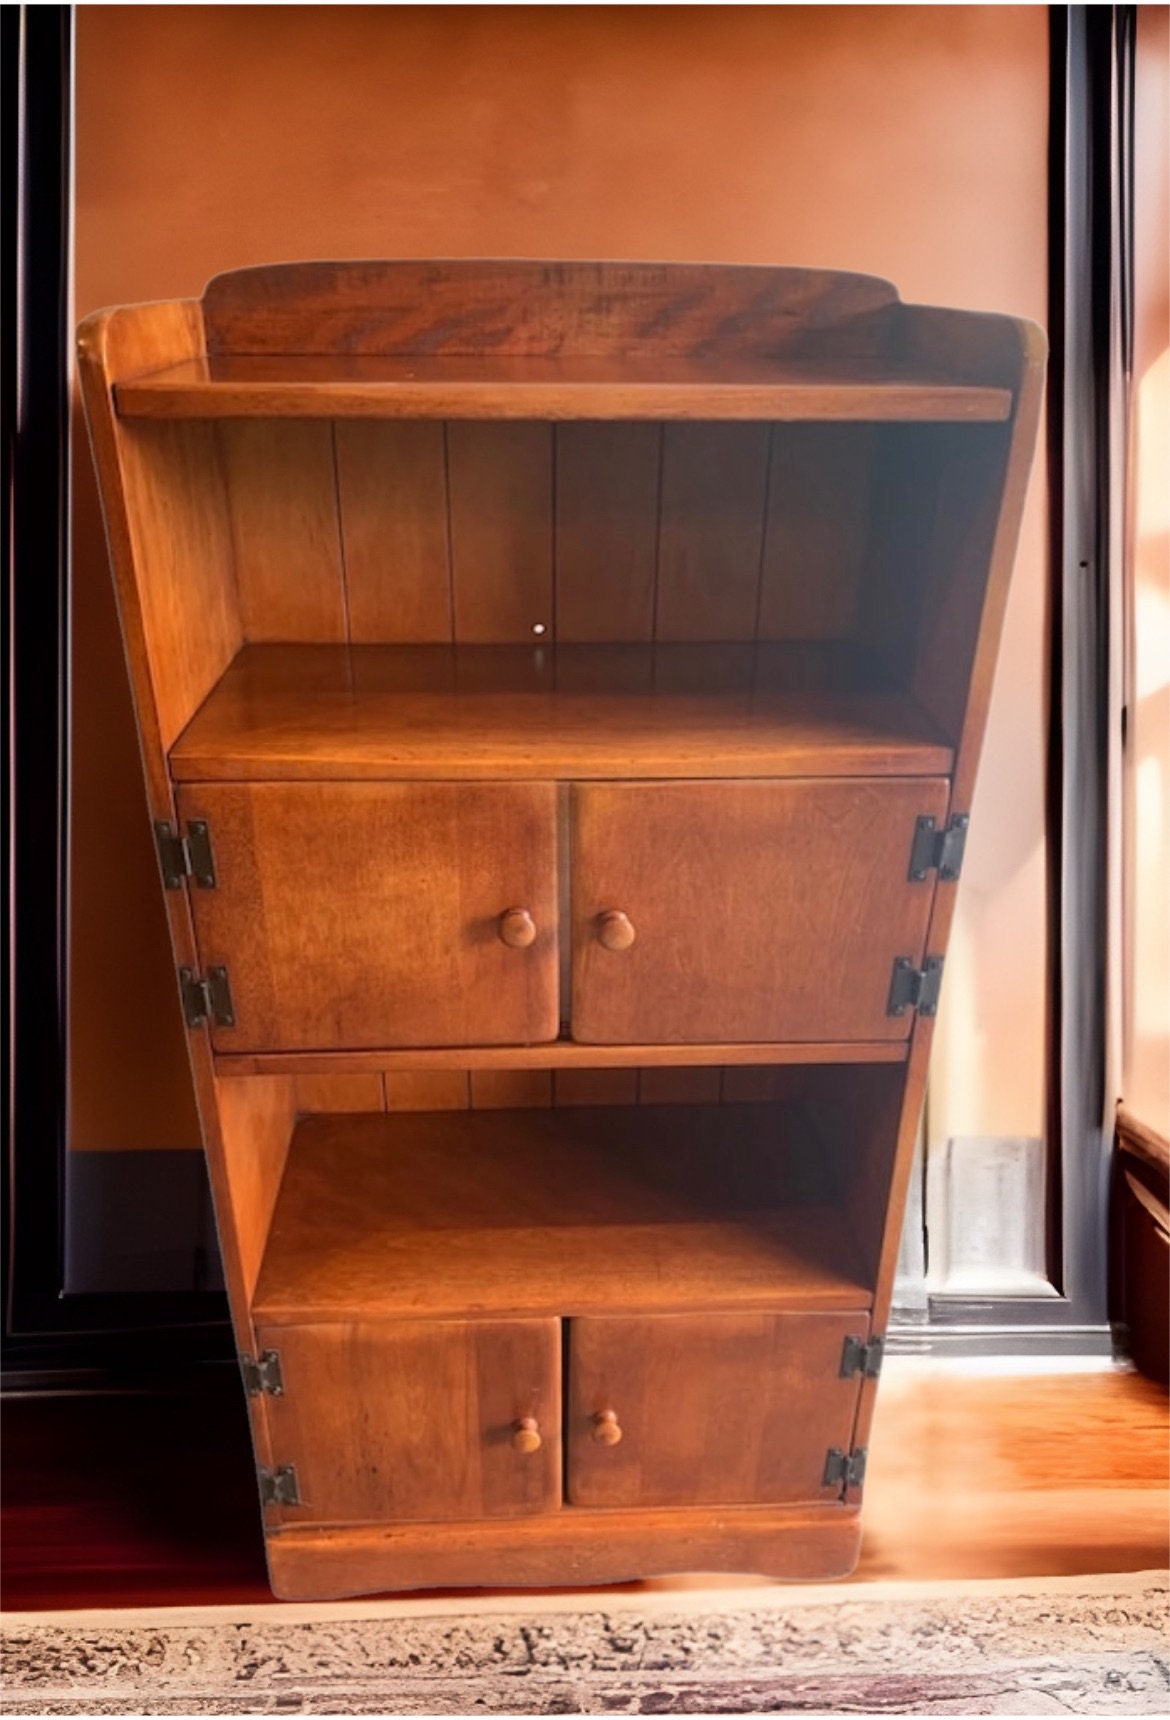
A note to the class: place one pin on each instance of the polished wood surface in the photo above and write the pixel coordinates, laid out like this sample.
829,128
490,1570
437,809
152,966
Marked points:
764,505
563,1055
415,1421
522,388
554,1211
733,1409
761,908
503,713
545,309
1046,1475
573,1546
353,914
286,546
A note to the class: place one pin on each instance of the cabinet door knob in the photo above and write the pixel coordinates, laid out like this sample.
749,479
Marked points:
606,1430
517,928
615,930
526,1435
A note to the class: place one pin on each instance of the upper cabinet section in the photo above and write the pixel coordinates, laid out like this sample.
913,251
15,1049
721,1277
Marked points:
571,340
560,520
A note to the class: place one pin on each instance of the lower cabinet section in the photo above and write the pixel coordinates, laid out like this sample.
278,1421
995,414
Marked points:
425,1420
709,1409
460,1420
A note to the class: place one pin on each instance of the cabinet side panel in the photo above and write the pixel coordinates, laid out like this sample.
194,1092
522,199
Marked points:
392,486
501,532
166,524
714,488
282,497
257,1115
819,492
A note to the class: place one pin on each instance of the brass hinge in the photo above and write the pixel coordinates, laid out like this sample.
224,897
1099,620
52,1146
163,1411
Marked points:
207,998
845,1469
915,988
262,1374
858,1357
279,1486
933,848
185,855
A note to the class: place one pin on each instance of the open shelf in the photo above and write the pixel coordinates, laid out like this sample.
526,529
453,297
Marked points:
566,1212
418,386
415,712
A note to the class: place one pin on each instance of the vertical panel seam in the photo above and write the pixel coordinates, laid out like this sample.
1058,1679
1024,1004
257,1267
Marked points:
658,537
341,562
449,539
768,458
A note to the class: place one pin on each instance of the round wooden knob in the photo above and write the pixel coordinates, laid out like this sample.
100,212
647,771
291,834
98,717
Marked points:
526,1435
615,930
605,1427
517,928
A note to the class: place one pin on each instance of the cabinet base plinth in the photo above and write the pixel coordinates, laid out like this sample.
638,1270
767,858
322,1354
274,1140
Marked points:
564,1549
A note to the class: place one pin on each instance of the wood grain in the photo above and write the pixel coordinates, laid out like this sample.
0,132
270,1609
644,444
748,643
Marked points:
554,1211
714,1409
761,908
496,713
613,1546
501,531
607,482
339,1093
392,489
714,485
561,1055
282,497
255,1119
353,914
497,389
818,529
412,1421
427,1089
541,309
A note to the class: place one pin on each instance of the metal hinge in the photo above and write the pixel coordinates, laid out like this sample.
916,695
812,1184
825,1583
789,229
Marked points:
207,999
858,1357
942,849
262,1374
915,988
185,856
845,1469
279,1486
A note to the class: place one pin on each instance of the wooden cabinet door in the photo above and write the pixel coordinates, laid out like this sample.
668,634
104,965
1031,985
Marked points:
401,1421
360,915
745,910
728,1409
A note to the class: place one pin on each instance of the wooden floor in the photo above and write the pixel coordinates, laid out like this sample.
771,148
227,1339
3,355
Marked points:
149,1500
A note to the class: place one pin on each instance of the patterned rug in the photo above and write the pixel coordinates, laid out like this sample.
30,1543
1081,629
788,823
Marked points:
1095,1645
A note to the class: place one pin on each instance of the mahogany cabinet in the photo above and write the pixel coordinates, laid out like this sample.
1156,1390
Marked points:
560,688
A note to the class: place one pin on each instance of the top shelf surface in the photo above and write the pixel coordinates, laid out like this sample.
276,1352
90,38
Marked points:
490,386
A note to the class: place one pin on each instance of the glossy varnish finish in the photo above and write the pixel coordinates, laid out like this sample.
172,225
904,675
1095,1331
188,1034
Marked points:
359,914
749,908
560,652
394,1421
541,1210
713,1409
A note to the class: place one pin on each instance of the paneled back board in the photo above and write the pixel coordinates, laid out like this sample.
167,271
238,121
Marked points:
560,688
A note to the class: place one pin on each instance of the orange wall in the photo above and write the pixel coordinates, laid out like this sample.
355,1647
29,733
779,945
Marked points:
902,141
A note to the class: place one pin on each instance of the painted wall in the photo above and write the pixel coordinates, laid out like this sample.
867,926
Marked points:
901,141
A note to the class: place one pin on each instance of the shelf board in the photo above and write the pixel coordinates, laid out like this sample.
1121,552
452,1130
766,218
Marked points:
501,386
562,1054
566,1212
479,713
